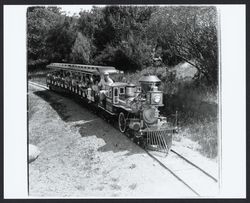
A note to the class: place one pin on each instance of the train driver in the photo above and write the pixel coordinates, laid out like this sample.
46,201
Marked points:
105,80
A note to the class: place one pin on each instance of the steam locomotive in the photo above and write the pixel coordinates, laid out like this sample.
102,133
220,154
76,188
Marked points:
136,108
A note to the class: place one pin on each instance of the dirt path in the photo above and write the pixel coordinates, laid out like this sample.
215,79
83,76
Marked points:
82,155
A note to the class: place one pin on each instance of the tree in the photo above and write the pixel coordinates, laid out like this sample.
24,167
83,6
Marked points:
81,50
121,39
189,33
88,22
60,40
39,21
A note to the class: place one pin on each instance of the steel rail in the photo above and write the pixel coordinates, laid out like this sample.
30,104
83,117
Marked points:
38,85
196,166
173,173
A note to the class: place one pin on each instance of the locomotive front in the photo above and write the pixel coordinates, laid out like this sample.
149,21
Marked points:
155,131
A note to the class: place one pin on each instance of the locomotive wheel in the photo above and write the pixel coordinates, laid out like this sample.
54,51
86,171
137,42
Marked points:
122,122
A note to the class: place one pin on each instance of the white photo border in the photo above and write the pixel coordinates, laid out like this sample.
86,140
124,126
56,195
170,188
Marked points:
233,98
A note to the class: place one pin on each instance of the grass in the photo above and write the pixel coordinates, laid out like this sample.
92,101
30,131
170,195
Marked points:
201,130
38,76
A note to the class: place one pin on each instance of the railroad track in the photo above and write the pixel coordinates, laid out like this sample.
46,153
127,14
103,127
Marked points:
196,166
196,179
38,85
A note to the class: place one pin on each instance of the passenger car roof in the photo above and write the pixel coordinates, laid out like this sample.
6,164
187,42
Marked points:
83,68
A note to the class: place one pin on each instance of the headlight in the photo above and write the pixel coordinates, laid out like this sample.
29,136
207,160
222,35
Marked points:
157,98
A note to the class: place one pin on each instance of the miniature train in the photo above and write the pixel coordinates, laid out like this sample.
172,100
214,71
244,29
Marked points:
134,107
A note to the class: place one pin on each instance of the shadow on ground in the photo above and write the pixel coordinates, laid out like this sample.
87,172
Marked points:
62,104
88,123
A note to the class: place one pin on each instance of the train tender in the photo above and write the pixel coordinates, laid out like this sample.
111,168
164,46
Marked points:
134,107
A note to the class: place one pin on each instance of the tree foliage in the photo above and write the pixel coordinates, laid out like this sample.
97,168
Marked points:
39,21
60,40
189,33
127,37
122,32
81,50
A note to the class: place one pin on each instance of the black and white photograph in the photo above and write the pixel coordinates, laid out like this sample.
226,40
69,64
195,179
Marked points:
123,101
